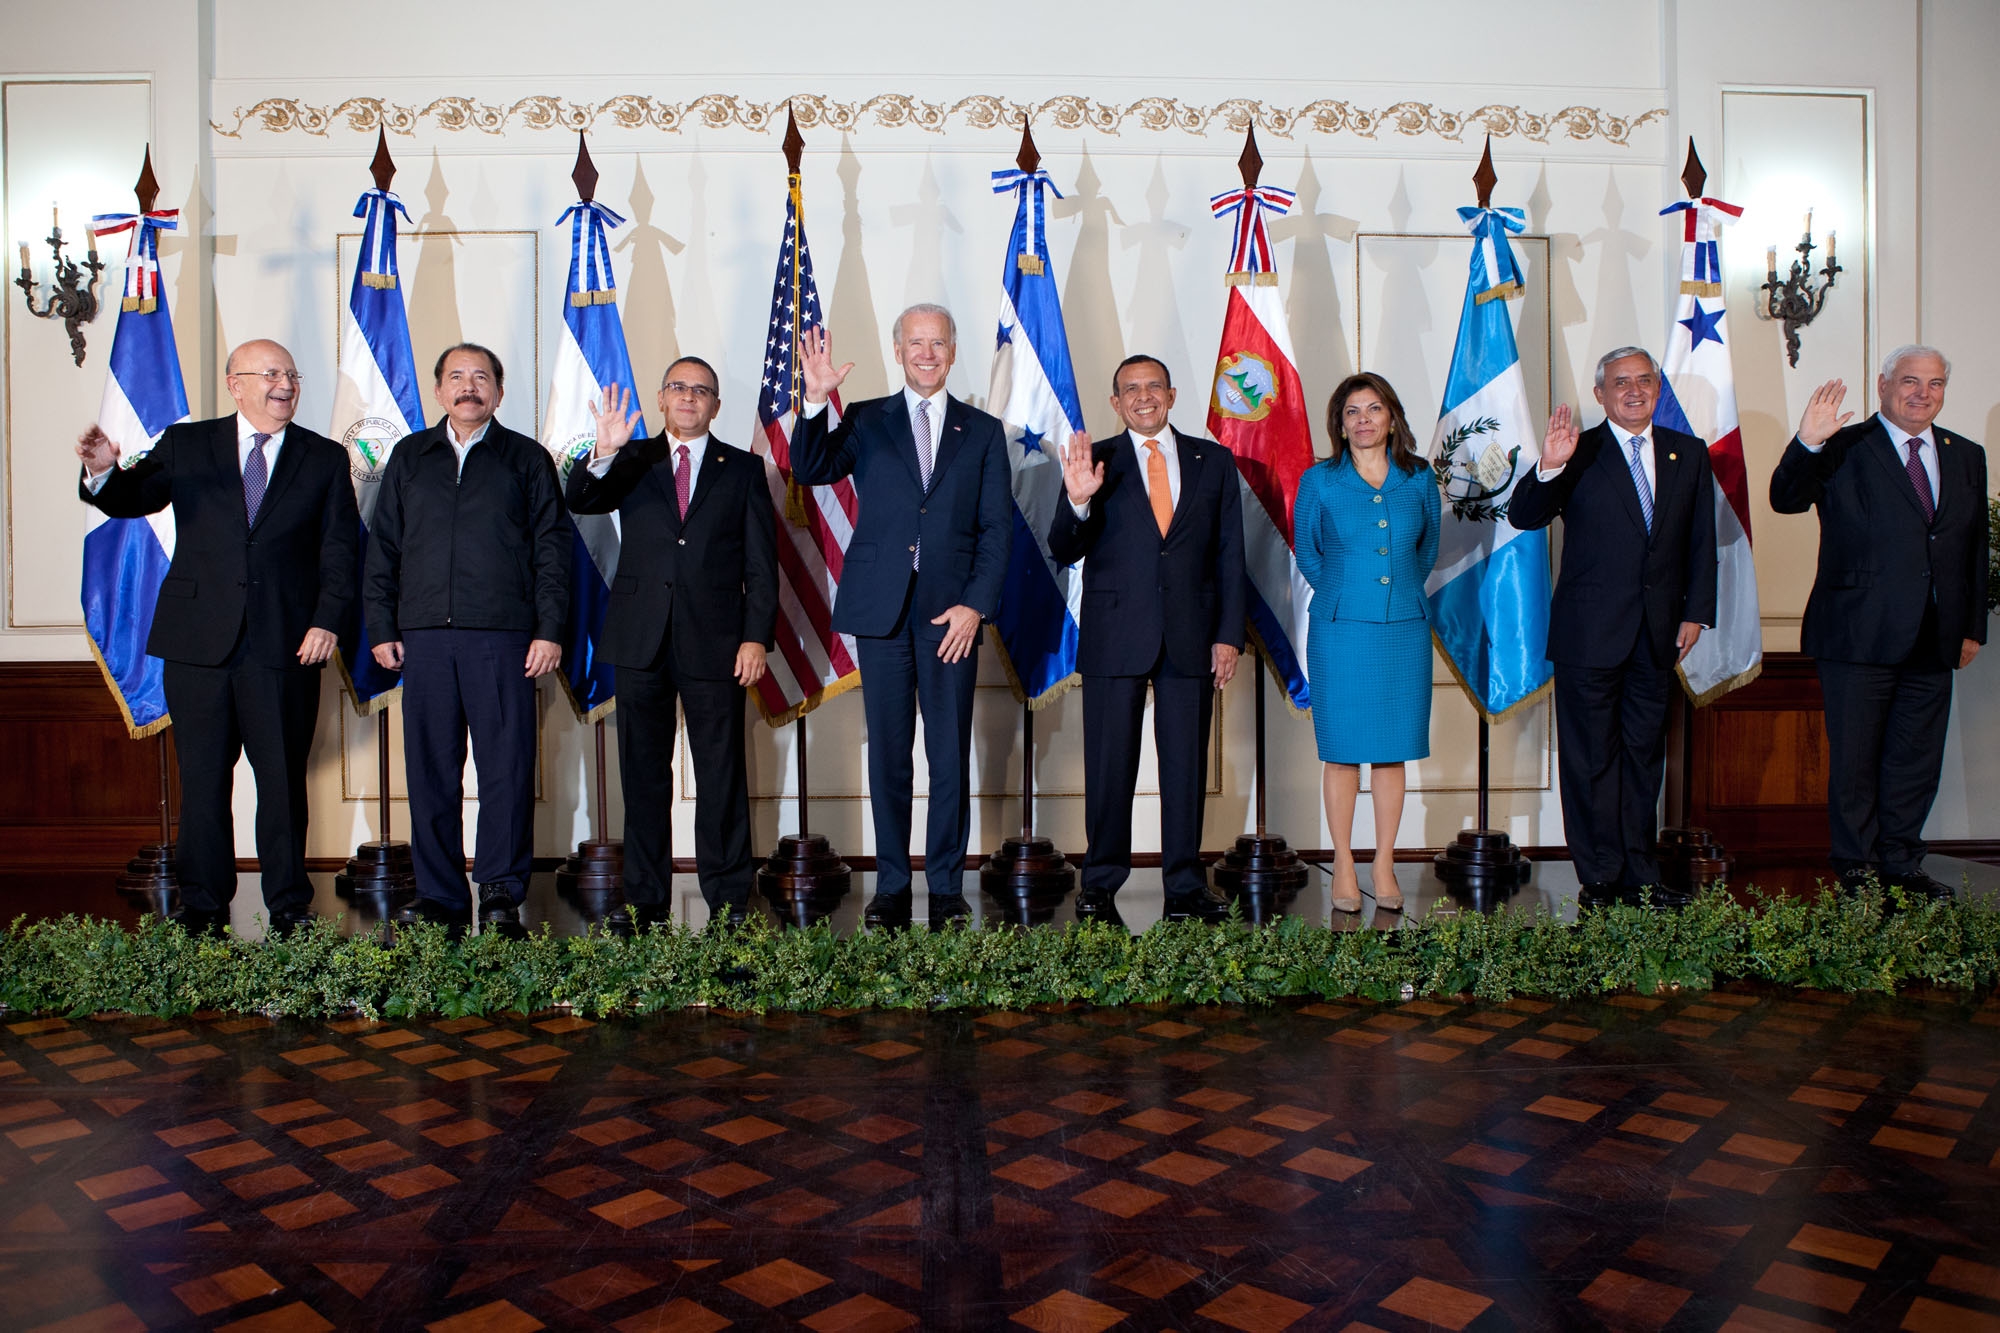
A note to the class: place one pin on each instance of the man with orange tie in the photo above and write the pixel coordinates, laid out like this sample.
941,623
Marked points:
1159,517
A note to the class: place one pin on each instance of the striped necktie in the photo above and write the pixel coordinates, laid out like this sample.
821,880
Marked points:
1639,481
256,476
1914,465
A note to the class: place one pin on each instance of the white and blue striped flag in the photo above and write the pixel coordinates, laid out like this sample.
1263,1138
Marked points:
1033,392
125,559
1489,593
590,357
377,400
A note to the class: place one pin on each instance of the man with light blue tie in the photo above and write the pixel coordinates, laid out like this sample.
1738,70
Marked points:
1636,589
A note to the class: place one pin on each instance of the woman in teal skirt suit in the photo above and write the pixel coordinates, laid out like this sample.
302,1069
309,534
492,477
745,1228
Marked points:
1365,526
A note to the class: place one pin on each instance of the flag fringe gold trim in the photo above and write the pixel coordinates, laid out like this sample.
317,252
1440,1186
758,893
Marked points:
1046,697
1709,289
370,707
382,281
1506,291
1250,280
1492,719
1030,264
145,305
137,733
1264,655
1714,692
811,701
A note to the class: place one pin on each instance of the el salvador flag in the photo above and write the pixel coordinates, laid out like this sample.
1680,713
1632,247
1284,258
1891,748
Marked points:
376,402
1489,593
590,357
125,559
1033,392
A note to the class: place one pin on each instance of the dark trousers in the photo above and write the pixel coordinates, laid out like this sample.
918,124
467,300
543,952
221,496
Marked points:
455,680
714,713
268,713
1113,718
1611,730
900,673
1885,732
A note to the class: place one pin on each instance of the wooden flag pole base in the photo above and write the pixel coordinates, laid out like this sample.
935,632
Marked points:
1690,857
150,882
1261,871
379,877
592,880
1027,876
1482,868
805,879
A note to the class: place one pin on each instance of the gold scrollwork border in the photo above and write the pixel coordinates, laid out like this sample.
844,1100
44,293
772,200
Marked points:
718,111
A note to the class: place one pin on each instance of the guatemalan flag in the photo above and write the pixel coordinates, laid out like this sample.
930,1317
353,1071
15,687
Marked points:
1699,398
1033,392
1489,593
376,402
590,357
125,559
1257,408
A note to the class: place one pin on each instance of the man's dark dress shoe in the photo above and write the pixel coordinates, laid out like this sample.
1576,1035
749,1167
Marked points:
208,921
499,913
1598,894
1098,905
1204,904
1917,884
284,923
455,920
887,911
946,908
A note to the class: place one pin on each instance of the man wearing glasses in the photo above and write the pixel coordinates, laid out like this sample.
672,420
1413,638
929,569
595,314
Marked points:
466,588
262,574
693,606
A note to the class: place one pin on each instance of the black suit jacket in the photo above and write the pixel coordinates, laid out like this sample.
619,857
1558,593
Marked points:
707,583
267,583
965,519
1617,580
1880,564
1141,590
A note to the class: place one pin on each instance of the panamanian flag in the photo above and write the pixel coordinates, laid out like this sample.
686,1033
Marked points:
1258,409
1033,391
1489,592
376,402
590,357
1699,398
125,559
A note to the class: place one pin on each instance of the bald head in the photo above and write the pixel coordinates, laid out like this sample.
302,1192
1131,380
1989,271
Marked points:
264,383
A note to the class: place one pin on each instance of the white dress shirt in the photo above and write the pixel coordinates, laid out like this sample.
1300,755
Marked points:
1169,450
1624,439
462,448
697,447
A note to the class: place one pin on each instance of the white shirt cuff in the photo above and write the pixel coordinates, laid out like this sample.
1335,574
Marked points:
96,483
813,410
1811,448
599,466
1080,510
1549,474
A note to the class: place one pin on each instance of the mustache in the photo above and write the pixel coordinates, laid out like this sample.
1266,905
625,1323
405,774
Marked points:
468,396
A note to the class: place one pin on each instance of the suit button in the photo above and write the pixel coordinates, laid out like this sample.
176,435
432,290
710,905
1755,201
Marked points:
923,509
1378,499
1381,522
682,542
913,550
1385,578
1381,550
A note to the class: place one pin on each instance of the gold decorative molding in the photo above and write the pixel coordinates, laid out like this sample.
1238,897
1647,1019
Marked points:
719,111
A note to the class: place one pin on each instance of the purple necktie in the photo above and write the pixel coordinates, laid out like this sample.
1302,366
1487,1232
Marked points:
256,476
1921,480
681,478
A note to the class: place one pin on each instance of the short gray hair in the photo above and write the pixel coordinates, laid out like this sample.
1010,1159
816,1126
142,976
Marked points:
1619,354
924,308
1908,350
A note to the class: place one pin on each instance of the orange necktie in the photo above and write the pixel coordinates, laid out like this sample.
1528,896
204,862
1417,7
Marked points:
1158,488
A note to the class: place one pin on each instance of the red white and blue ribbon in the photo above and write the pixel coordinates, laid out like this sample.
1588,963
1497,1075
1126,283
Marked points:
142,270
1250,248
1701,271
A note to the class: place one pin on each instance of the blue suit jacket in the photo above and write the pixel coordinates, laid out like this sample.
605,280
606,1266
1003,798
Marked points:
965,519
1366,552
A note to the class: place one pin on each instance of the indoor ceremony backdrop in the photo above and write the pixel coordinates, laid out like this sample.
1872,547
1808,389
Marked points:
1875,114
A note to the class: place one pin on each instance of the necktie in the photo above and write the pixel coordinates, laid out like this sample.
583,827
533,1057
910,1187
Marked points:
1921,480
1158,488
681,478
1639,481
256,475
923,433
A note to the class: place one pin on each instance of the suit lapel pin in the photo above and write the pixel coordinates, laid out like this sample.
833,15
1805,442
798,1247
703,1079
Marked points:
1672,458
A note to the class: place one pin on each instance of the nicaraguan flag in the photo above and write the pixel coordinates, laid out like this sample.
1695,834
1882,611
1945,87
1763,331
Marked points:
377,400
1489,593
590,357
1033,392
1699,398
124,559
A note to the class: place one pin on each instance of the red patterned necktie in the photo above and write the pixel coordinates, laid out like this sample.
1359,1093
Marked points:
1914,465
681,478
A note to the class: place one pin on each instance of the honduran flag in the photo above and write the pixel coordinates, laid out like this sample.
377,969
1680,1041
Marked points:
590,357
377,400
125,559
1699,398
1257,408
1033,392
1489,592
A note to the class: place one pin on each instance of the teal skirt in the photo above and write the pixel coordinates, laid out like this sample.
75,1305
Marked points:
1371,690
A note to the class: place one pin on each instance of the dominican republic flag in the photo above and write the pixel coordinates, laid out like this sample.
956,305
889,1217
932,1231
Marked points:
125,559
812,663
1699,397
1258,410
376,402
590,357
1033,392
1489,593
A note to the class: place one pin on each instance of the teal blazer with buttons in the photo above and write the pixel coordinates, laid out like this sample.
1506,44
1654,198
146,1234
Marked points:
1366,552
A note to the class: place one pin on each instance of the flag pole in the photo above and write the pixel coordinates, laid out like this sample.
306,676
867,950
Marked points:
805,877
1028,875
1261,869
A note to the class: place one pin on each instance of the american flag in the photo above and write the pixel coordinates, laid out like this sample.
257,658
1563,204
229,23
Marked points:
815,523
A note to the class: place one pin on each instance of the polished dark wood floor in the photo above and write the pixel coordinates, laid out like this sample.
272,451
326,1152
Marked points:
1750,1159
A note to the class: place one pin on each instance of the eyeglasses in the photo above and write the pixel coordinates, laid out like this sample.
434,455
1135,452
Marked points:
692,390
271,377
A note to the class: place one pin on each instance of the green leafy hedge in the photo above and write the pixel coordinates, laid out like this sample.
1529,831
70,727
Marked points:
81,966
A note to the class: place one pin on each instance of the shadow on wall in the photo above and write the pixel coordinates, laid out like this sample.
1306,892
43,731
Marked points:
648,298
433,302
850,313
1090,308
1312,308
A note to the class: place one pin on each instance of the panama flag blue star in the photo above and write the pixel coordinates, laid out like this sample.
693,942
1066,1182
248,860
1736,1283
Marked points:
1703,325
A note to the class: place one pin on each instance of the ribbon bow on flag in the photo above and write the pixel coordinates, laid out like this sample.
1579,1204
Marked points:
595,252
378,236
1029,260
142,268
1701,269
1250,249
1496,275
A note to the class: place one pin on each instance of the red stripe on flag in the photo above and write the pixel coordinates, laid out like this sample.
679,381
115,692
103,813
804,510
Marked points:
1725,456
1274,451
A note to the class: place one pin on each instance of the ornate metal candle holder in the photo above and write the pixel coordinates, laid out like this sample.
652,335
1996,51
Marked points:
73,298
1796,301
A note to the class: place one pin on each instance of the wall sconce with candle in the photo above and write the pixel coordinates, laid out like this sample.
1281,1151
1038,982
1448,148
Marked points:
1796,301
73,297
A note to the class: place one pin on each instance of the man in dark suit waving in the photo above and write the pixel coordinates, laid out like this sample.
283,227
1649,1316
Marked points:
1898,603
922,571
693,606
1159,517
263,572
1636,589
